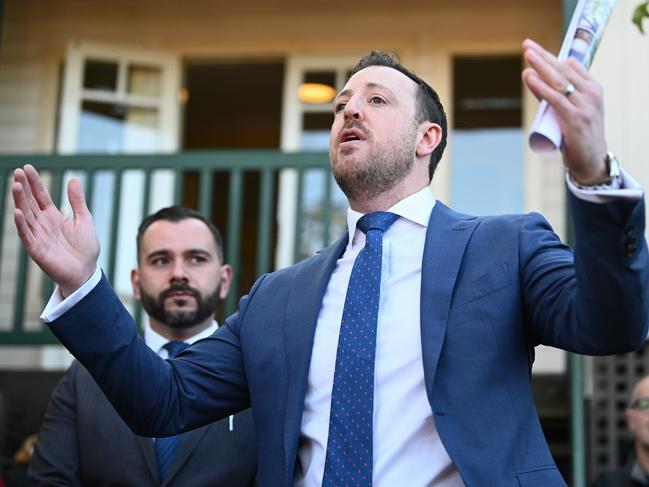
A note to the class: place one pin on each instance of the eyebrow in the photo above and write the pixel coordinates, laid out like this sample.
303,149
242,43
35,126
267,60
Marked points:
164,252
371,84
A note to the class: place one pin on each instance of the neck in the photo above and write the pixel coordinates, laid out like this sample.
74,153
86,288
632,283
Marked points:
385,200
414,181
642,455
173,333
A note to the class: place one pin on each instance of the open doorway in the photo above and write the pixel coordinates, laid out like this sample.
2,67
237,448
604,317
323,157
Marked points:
233,105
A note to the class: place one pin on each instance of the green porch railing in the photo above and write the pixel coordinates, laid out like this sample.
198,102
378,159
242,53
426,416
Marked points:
107,186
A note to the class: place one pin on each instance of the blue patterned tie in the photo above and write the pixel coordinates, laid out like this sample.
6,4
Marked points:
349,447
165,448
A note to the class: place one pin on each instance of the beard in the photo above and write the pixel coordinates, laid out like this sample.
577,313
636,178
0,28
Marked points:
381,170
180,319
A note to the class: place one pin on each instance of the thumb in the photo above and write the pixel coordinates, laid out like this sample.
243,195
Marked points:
77,199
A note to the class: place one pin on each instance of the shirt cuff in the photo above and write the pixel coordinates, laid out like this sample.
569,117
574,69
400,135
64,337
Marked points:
629,189
57,306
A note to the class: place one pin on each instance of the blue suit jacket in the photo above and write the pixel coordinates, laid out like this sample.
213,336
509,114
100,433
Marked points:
492,289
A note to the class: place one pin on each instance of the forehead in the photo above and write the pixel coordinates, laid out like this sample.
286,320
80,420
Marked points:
184,234
641,389
390,78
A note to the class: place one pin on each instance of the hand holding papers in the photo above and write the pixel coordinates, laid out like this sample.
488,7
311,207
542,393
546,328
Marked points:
581,41
576,100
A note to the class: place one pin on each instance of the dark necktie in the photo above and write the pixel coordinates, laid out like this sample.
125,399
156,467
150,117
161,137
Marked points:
349,445
165,448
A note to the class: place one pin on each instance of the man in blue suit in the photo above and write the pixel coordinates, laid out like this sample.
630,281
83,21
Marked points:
400,355
180,278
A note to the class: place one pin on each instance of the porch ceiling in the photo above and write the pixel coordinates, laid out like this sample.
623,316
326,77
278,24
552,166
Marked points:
37,8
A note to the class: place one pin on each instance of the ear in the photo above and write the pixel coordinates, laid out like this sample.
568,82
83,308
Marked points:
431,136
226,280
135,282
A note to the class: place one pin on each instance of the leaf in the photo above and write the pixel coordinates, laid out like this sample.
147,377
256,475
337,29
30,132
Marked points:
640,13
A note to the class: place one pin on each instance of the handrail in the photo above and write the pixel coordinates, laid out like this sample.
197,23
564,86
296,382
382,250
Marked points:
235,165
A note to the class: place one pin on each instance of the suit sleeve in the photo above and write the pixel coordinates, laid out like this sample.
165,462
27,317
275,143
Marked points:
156,397
597,301
56,453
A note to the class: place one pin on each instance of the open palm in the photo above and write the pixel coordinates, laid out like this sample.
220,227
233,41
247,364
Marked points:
66,249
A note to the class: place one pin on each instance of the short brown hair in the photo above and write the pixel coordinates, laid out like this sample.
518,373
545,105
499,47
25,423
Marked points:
175,214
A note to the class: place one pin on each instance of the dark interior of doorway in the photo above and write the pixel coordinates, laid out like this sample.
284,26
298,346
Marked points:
233,105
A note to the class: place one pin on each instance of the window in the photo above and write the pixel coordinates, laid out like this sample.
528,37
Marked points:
118,99
487,166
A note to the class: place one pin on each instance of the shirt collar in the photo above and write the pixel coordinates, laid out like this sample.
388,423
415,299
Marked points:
638,474
155,341
416,208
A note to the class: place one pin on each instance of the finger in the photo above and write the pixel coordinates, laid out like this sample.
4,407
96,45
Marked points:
22,205
41,195
571,70
77,199
30,206
550,72
527,72
545,55
579,71
541,56
543,91
23,198
23,229
18,193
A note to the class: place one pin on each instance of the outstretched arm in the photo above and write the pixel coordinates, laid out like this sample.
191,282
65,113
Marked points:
582,311
66,249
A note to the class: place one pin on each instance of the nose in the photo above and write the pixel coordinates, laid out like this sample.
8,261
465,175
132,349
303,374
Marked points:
353,109
178,271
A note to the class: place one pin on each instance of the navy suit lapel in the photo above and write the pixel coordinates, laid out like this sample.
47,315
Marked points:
146,445
304,302
188,443
446,239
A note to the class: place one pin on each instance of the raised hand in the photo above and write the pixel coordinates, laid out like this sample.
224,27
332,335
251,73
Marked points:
580,111
66,249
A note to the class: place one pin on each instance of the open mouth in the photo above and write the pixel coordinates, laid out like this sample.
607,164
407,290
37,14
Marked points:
351,135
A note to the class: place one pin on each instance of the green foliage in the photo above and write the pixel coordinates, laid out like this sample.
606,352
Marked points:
640,13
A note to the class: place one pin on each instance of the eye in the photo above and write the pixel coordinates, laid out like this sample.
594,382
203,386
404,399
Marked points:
160,261
197,259
339,106
377,100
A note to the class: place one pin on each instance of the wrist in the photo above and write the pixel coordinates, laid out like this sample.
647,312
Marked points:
609,179
68,288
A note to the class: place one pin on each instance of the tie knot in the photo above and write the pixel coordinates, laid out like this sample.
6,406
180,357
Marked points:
377,220
174,347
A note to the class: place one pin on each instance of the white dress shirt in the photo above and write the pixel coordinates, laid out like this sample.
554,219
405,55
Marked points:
156,342
407,448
